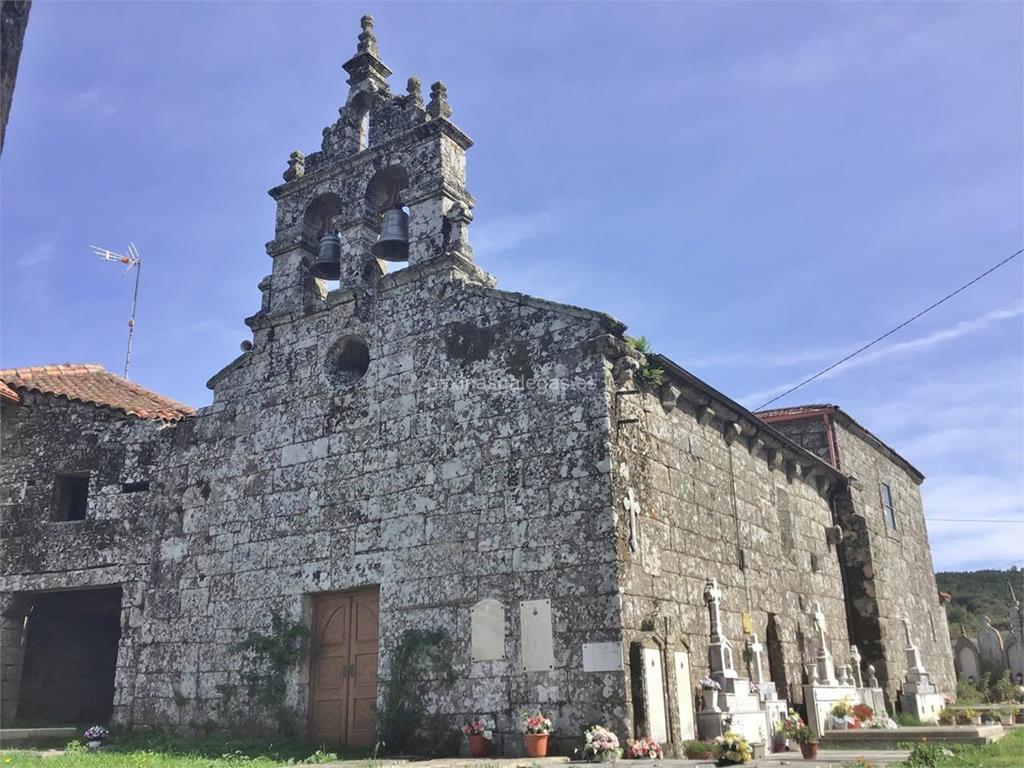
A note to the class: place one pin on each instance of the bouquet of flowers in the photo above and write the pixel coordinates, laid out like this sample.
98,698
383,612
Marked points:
709,684
843,716
536,723
795,728
863,712
882,722
732,749
600,743
96,733
643,748
474,728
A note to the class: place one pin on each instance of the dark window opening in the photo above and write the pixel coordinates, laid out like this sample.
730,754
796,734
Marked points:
71,642
135,487
72,497
887,508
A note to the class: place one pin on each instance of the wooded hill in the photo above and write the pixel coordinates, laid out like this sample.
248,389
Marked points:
977,594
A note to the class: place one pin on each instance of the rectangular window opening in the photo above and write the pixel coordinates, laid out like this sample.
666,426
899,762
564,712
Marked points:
142,485
887,507
72,497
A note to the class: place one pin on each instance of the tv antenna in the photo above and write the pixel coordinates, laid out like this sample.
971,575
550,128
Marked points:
132,259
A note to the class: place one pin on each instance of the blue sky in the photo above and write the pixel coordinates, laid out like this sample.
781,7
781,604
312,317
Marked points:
758,188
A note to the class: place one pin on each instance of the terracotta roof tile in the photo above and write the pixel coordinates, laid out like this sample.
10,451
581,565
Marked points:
92,384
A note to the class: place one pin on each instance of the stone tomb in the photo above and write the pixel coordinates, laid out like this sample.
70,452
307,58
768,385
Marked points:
734,707
919,696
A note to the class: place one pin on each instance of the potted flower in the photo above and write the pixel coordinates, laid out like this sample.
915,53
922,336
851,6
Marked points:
732,749
600,744
536,729
710,689
699,750
969,717
883,721
95,736
478,736
796,729
841,715
863,714
947,716
644,748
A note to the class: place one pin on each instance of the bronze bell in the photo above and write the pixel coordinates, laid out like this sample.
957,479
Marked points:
328,261
393,243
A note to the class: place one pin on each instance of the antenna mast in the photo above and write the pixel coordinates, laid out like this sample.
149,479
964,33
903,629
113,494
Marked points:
132,259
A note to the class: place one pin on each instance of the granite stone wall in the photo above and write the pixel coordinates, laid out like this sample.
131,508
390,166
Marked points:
713,490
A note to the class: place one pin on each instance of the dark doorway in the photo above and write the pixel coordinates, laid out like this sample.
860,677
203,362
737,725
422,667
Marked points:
70,654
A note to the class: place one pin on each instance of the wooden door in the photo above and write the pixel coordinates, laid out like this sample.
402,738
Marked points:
343,669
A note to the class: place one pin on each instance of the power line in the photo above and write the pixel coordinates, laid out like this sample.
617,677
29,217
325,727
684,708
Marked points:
887,334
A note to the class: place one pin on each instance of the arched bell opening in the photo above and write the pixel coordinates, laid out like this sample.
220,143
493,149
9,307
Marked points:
320,229
384,204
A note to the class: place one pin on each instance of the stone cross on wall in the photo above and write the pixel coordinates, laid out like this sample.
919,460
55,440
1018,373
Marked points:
632,506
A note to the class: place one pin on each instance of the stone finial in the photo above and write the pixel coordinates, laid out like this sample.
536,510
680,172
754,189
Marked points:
296,166
414,88
438,105
367,40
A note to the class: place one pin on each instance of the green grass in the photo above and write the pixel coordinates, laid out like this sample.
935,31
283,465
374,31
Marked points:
1008,752
154,750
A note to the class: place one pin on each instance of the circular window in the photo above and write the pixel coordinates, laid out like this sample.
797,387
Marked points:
348,360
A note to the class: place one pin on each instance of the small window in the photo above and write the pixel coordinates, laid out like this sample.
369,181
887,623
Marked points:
887,509
72,497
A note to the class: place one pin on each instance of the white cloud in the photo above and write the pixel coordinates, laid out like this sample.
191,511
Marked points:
969,545
39,254
507,232
895,349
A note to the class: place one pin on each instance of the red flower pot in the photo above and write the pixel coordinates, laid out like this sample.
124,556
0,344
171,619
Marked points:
536,744
479,746
809,749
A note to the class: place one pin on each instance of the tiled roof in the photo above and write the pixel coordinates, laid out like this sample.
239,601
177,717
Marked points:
92,384
796,410
808,411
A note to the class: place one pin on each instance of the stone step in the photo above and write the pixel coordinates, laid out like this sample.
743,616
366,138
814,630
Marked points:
14,736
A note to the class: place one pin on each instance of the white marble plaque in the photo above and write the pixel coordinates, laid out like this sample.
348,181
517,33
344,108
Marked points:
655,695
537,637
487,630
684,696
602,657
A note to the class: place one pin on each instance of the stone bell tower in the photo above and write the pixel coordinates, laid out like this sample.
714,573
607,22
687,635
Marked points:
389,183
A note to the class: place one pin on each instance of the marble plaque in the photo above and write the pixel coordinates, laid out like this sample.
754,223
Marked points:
602,657
684,696
487,630
537,638
656,720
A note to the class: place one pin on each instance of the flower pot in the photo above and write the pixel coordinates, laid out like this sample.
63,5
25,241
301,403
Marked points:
607,756
479,746
94,744
809,749
536,744
976,721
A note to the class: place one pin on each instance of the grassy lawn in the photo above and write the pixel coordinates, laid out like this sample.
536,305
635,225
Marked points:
1008,752
162,751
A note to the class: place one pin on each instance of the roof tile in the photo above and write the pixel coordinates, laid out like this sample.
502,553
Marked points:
89,383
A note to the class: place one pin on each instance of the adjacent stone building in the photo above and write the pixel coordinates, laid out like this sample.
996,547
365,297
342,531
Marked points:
419,450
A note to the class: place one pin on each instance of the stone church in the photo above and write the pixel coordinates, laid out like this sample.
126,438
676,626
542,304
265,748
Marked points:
413,448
